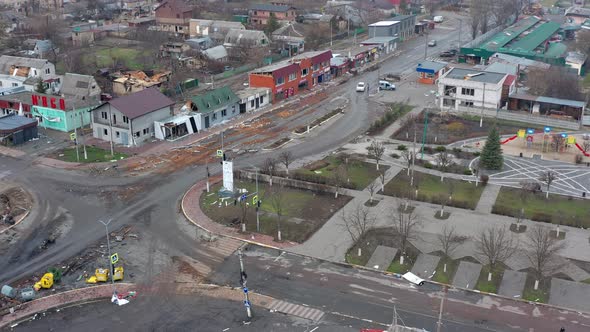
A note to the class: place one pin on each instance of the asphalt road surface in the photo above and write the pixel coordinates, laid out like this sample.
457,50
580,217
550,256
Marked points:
341,290
178,313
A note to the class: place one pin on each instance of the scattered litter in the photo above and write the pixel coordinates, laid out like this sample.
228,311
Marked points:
225,329
133,235
118,238
214,203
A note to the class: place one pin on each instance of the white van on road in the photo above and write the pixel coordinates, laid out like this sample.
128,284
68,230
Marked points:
438,19
384,85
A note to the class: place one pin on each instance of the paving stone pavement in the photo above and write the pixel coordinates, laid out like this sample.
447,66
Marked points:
512,283
425,265
569,294
381,258
467,275
488,198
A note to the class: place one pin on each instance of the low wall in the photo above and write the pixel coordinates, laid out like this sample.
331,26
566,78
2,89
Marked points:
525,118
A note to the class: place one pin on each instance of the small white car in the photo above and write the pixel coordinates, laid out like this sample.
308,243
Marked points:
361,87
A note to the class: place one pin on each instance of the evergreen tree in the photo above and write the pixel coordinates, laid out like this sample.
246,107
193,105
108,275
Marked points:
40,88
272,24
491,155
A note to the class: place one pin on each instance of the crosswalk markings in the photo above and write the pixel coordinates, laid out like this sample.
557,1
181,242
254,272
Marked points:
296,310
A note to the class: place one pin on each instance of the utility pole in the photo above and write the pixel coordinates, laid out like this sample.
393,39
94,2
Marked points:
393,326
257,205
106,228
425,46
111,130
440,312
424,134
413,157
243,279
460,29
483,102
208,175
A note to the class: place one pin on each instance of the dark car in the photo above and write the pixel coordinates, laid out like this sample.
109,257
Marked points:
448,54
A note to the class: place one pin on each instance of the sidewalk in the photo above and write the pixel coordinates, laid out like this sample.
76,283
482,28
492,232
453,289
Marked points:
192,211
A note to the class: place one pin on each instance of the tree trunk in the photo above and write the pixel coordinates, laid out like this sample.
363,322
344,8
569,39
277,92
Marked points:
547,193
207,185
287,170
442,211
377,164
243,227
401,259
445,268
279,228
336,193
270,181
360,252
536,285
490,276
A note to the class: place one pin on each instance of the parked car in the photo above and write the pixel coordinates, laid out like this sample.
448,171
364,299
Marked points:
438,19
384,85
448,54
361,87
432,43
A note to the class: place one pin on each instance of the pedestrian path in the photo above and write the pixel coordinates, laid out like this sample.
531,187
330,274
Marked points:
381,258
569,294
296,310
488,198
467,275
512,283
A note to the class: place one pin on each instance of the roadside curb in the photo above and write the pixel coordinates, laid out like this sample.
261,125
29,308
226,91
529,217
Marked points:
79,295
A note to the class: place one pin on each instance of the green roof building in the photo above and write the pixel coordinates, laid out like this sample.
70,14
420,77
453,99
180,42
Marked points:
528,38
215,107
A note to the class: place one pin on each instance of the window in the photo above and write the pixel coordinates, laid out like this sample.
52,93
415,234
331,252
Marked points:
467,92
261,99
14,84
214,116
177,15
103,115
146,131
304,71
118,134
292,77
48,71
223,112
252,103
114,118
280,80
0,83
125,119
467,103
34,72
255,13
105,131
136,134
316,67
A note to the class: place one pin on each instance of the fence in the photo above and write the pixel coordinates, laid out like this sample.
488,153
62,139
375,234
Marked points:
519,117
241,174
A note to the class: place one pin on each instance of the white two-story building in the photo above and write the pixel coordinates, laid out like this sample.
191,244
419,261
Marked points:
460,87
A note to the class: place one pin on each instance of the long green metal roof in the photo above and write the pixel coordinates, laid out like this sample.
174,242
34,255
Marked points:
532,40
507,35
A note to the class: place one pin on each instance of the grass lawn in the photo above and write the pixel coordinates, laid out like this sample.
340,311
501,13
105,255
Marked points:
359,172
431,189
445,277
95,155
396,267
539,295
556,209
548,3
128,56
490,286
303,212
586,281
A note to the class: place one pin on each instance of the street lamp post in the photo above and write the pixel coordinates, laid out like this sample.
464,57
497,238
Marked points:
106,228
258,202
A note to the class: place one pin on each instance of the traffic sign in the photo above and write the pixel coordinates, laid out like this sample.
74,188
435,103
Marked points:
73,136
247,304
529,138
220,153
547,129
521,133
530,131
564,135
245,289
243,197
254,199
114,258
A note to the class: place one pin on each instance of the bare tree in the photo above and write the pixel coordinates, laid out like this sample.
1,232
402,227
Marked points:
358,221
557,141
583,41
371,188
339,177
277,201
405,228
376,151
586,145
446,199
286,157
444,160
542,252
382,178
548,177
244,212
449,241
475,168
407,156
495,245
269,167
562,84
